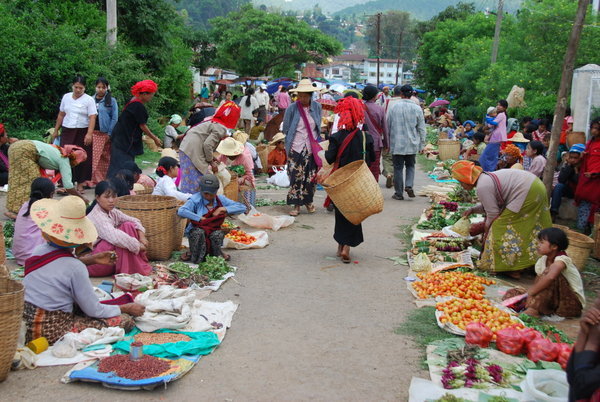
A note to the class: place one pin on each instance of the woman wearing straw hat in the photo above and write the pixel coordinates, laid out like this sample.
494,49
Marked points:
277,157
235,153
515,205
242,137
55,281
196,151
301,126
28,159
347,145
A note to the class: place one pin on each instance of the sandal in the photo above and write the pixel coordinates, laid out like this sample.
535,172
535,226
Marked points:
294,212
185,256
226,257
311,208
345,254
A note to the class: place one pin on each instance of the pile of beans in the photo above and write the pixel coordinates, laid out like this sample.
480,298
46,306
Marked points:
149,338
122,366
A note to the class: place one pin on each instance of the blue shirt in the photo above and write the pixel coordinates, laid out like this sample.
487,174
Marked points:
107,116
196,207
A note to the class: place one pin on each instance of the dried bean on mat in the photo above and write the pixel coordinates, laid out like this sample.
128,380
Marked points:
122,366
149,338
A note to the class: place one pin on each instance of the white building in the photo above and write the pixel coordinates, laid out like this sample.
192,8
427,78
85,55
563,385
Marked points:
387,71
336,72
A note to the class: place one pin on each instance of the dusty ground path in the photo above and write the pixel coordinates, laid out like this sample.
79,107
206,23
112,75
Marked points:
308,327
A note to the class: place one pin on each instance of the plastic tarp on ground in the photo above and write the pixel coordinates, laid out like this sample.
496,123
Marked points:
201,343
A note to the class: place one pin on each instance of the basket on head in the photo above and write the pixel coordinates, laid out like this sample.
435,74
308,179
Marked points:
158,215
354,191
448,149
11,314
231,190
580,247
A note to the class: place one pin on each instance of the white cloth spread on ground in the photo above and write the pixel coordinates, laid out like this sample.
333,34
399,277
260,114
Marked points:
166,308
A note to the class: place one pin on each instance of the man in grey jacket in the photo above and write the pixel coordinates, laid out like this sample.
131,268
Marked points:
406,128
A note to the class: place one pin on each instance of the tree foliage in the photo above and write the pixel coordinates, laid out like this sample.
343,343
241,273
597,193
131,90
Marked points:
454,57
394,25
201,11
254,43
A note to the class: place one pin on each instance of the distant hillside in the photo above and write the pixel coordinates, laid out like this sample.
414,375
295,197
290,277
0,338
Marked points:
420,9
328,7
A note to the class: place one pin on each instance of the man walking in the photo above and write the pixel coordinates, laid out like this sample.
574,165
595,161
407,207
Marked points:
406,128
263,102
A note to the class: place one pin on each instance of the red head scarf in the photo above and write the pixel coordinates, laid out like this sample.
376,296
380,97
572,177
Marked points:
466,172
144,86
228,114
1,128
351,112
74,153
513,151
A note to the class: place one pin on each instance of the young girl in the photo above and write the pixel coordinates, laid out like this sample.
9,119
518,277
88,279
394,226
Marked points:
277,157
475,151
117,232
558,288
168,169
534,151
27,234
172,137
108,113
206,210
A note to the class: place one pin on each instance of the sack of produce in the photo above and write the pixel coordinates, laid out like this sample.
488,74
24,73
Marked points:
542,349
263,221
240,240
462,227
509,341
564,352
478,334
529,335
422,263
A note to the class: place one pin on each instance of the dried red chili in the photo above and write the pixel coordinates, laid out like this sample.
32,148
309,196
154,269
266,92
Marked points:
122,366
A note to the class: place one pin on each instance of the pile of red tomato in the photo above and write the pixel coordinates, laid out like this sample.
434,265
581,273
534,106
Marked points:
464,285
239,236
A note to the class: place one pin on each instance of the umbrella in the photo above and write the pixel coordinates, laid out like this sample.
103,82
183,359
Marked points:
327,104
439,102
224,82
338,88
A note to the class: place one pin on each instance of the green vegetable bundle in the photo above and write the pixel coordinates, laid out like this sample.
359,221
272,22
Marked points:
238,169
214,268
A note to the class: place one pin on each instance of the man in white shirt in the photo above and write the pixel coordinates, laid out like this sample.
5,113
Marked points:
263,101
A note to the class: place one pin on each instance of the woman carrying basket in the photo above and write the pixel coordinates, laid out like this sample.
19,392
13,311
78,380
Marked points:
349,144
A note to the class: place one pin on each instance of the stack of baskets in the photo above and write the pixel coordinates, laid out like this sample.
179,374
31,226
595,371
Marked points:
354,191
231,190
158,214
11,314
448,149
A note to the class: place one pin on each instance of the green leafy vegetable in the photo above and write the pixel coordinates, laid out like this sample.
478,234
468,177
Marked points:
9,232
214,268
240,170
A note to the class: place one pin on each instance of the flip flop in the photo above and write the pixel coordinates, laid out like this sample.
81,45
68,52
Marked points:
311,208
294,212
346,259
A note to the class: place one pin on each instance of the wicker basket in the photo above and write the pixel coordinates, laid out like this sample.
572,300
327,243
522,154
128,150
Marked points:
354,191
145,191
596,235
564,228
448,149
580,247
231,190
2,247
180,223
575,137
158,215
11,314
263,151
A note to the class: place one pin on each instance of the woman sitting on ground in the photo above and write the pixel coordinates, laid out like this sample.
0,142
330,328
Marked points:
55,281
167,170
207,211
510,158
117,232
277,157
27,235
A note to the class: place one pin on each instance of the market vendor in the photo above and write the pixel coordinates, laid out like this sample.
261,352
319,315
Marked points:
234,153
207,211
515,205
59,296
196,151
28,159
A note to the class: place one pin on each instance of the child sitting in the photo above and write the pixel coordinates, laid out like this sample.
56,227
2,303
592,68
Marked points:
207,211
167,170
117,232
558,288
277,157
534,151
474,151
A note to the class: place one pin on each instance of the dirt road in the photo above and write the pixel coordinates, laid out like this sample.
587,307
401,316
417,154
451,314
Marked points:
308,327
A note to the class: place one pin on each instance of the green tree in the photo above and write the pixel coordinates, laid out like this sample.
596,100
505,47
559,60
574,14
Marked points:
394,25
255,43
201,11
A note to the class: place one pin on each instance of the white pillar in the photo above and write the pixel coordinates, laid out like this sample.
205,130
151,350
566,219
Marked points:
111,22
583,95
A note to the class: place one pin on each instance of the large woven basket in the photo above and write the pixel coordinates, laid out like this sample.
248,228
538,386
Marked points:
354,191
575,137
145,191
158,215
11,315
181,223
263,151
231,190
580,247
448,149
2,247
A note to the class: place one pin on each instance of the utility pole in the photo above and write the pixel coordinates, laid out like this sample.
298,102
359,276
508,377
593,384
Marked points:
499,15
563,92
111,22
399,54
378,44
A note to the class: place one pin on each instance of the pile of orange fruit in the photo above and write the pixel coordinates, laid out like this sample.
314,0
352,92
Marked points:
461,312
239,236
464,285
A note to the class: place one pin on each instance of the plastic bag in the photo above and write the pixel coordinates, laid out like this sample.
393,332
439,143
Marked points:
129,282
422,263
545,385
564,353
509,341
224,177
264,221
280,178
478,334
542,349
262,241
529,335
